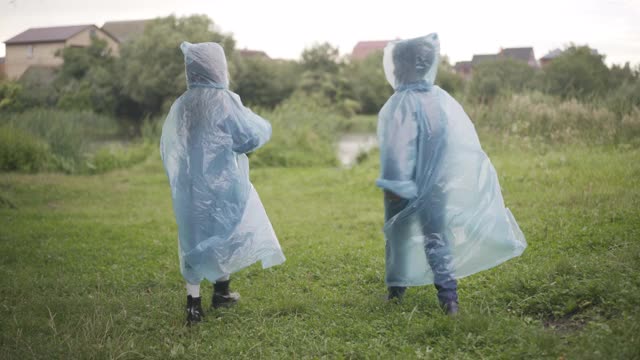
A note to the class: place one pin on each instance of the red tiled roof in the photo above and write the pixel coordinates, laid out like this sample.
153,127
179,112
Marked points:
48,34
366,48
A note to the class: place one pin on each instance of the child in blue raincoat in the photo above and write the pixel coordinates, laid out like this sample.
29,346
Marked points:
444,213
222,225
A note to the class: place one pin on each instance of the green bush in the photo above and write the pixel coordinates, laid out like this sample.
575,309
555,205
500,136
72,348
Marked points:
111,158
554,121
66,134
304,134
21,151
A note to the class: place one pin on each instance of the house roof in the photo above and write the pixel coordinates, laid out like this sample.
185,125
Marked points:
125,30
552,54
482,58
366,48
47,34
253,53
523,53
462,65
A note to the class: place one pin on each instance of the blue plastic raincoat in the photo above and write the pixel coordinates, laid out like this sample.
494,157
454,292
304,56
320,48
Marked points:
454,223
222,225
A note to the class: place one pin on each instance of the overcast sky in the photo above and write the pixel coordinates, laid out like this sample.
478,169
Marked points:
284,28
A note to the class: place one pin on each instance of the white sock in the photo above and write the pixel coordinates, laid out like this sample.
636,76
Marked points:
193,290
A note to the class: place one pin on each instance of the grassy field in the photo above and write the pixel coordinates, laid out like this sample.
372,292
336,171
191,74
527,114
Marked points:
89,269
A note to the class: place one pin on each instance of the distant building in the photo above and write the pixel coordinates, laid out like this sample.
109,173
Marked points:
125,30
2,74
366,48
524,54
38,46
545,60
246,53
463,68
479,59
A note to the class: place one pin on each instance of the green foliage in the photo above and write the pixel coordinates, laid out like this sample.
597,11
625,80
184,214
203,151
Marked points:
68,136
448,79
152,64
501,76
10,93
324,58
21,151
579,72
118,157
543,117
99,255
38,89
264,82
303,135
370,87
325,76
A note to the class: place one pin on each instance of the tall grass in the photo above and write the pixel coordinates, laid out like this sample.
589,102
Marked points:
539,117
57,140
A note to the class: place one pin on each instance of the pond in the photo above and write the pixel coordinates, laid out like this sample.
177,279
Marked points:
351,145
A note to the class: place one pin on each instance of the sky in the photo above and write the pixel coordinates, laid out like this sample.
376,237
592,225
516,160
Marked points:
283,29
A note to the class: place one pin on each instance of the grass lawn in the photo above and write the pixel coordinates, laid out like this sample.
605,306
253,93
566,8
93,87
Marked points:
89,269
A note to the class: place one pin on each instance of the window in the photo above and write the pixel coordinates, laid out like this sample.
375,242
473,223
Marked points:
30,51
92,33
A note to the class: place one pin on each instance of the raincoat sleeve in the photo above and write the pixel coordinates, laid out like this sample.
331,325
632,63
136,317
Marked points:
398,137
248,130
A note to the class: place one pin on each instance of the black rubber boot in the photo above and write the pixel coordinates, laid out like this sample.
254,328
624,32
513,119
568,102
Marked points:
396,292
450,308
194,310
222,297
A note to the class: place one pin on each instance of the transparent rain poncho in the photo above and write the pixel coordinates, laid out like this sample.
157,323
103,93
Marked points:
452,221
222,225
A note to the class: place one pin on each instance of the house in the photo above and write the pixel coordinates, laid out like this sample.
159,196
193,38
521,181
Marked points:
545,60
365,48
38,46
463,68
246,53
125,30
482,58
524,54
1,67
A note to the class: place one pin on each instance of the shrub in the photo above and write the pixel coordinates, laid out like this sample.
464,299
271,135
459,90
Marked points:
21,151
304,133
554,121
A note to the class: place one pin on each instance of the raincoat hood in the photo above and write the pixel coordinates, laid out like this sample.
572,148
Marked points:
205,65
413,62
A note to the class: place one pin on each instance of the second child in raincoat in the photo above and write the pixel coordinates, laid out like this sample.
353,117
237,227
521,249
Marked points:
444,213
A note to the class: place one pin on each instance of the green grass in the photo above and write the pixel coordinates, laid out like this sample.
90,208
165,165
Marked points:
89,269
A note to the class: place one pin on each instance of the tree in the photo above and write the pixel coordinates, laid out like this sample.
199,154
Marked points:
500,76
370,86
579,72
152,65
321,58
264,82
447,78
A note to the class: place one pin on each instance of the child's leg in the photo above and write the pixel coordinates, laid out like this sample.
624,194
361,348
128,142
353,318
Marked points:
440,259
392,206
193,290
